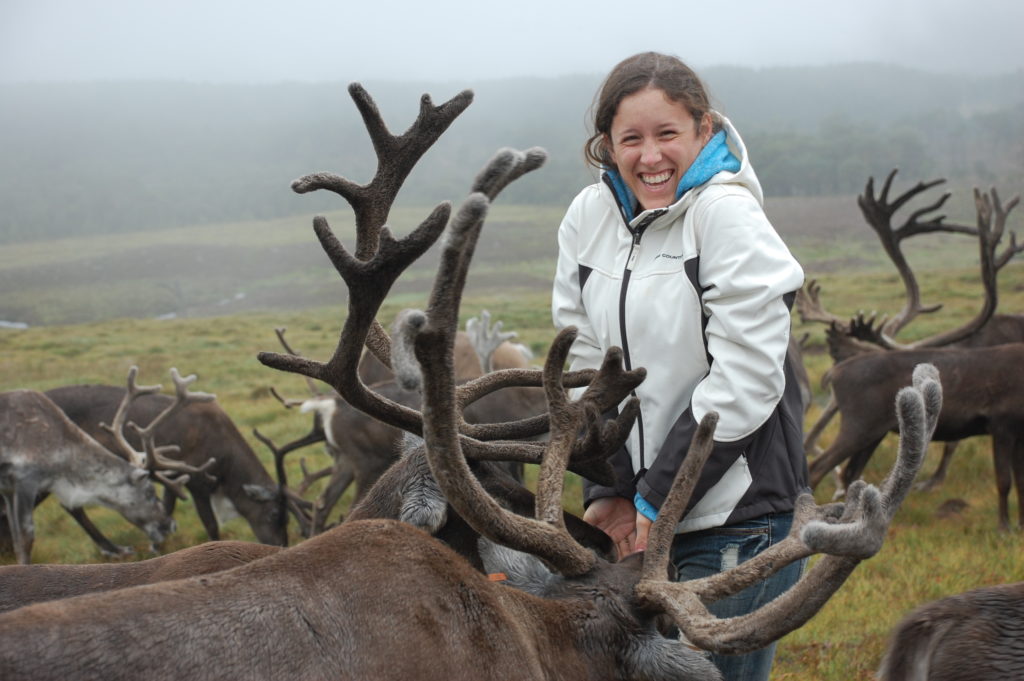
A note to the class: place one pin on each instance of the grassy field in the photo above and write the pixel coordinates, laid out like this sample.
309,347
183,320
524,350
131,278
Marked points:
88,327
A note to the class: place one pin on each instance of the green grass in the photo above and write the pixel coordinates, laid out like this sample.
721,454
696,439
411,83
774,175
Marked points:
924,558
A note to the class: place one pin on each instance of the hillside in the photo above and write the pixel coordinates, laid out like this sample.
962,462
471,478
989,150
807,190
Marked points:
90,158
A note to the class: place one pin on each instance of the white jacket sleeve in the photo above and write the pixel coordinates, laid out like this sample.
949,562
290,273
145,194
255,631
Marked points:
566,298
745,270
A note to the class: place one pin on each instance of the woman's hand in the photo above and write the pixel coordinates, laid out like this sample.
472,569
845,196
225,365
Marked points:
617,517
643,528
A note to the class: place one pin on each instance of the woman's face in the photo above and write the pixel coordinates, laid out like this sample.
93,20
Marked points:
653,141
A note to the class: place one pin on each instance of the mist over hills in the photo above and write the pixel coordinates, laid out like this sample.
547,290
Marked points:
91,158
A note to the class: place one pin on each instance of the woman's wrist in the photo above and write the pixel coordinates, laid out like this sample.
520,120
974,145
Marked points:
644,507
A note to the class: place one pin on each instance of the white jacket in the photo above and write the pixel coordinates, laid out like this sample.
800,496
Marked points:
695,294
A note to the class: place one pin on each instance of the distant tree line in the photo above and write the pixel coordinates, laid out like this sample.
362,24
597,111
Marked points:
86,158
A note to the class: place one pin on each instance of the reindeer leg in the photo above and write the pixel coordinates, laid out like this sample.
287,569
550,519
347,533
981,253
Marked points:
341,478
841,450
858,462
1002,451
209,519
830,410
106,547
939,476
170,501
1017,454
19,514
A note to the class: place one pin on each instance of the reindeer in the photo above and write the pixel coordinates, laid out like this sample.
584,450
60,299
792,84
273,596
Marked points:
26,584
984,395
405,492
847,338
974,635
43,452
977,376
363,447
236,484
380,598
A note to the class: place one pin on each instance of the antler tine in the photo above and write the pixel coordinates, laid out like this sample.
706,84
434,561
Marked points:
313,390
117,425
991,221
288,499
993,214
368,283
486,338
182,397
568,419
809,306
663,530
155,459
396,157
288,402
878,212
507,166
847,533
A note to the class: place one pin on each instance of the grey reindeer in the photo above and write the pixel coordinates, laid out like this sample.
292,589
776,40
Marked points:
973,636
42,452
378,598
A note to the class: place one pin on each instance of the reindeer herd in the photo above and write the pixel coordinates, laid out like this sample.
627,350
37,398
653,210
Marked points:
446,565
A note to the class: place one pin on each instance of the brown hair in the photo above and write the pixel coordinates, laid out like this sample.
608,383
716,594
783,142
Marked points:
648,69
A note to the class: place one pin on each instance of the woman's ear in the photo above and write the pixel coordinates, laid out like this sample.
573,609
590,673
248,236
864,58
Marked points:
706,126
606,151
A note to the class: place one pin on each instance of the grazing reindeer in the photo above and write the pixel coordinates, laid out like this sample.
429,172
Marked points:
379,598
406,492
978,634
971,387
43,452
236,484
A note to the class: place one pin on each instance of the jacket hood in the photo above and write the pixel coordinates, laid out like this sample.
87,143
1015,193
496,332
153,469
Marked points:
745,176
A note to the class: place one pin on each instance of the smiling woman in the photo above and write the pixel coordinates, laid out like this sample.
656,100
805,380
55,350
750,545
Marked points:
672,258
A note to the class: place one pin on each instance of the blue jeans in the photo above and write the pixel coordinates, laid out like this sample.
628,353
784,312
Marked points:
699,554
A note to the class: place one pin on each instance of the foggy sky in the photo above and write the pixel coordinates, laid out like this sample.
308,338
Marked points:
262,41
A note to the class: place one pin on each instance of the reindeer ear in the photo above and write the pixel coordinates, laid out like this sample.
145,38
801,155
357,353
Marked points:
260,493
138,475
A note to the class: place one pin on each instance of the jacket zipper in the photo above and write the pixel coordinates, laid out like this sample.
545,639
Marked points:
634,250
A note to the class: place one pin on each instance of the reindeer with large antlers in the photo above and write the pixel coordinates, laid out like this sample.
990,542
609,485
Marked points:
982,388
42,451
236,483
378,599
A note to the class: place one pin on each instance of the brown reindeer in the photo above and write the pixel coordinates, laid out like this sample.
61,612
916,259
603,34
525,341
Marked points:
986,328
43,452
984,394
236,484
374,599
866,336
26,584
978,634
